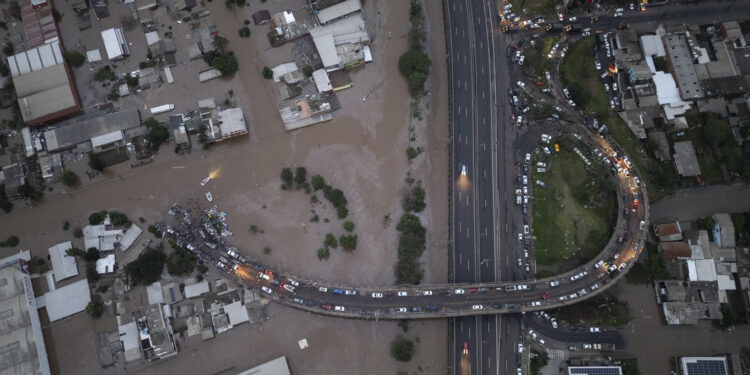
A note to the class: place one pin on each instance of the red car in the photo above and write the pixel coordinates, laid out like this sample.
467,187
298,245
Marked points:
540,83
326,307
545,295
472,290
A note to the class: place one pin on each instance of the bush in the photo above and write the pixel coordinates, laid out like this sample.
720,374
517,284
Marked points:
287,177
75,252
131,81
5,204
402,349
114,94
348,242
92,254
181,262
77,232
95,162
69,178
349,226
413,200
29,192
342,212
300,176
330,241
307,70
411,153
335,196
317,182
97,217
147,268
202,268
267,73
91,275
411,245
9,49
74,58
157,135
95,309
226,63
324,253
414,61
118,218
244,32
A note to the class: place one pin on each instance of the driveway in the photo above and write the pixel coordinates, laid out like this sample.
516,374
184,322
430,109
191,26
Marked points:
694,203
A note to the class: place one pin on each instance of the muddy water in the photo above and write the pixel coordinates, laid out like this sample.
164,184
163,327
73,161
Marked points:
362,152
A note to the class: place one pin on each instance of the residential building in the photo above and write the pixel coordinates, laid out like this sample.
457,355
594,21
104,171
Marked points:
680,60
675,250
723,230
668,231
594,370
63,265
338,11
105,130
66,301
685,160
704,366
278,366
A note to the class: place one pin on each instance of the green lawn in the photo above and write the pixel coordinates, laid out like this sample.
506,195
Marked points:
534,7
597,311
580,76
536,61
573,215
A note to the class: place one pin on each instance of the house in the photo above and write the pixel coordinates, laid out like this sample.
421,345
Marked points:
262,17
668,231
675,250
337,11
685,160
115,43
723,231
63,265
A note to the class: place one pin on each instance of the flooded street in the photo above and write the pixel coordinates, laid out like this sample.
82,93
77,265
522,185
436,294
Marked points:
361,152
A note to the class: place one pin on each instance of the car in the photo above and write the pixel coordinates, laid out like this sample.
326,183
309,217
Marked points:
349,292
572,19
274,281
560,17
598,264
528,268
339,308
574,278
463,170
563,298
631,6
377,295
606,87
266,290
523,287
642,224
572,348
618,14
402,293
611,268
595,287
546,91
619,10
525,229
401,309
323,289
520,262
430,308
472,290
525,179
525,190
510,288
264,276
595,329
459,291
521,84
574,295
637,181
288,288
541,341
515,100
532,333
520,348
536,303
582,292
427,293
326,307
520,61
587,346
477,307
416,309
554,283
290,281
520,236
337,291
599,67
517,55
525,253
571,102
299,300
622,267
614,86
528,158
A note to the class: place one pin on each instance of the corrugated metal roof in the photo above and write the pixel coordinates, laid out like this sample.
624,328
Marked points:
64,266
68,300
106,139
341,9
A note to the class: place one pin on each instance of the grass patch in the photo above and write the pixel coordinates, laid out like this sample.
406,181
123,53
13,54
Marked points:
630,366
536,61
597,311
534,7
580,76
573,215
538,362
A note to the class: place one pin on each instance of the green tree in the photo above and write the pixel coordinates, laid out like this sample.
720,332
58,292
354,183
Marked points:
349,226
348,242
402,349
4,70
307,70
75,252
706,223
729,316
95,309
147,268
220,43
739,222
342,212
157,135
414,200
104,73
95,162
335,196
202,268
11,241
15,10
226,63
300,176
330,241
9,49
324,253
5,204
411,152
267,72
118,218
244,32
30,192
74,58
287,177
656,267
92,254
91,275
317,182
413,60
416,82
131,81
181,262
69,178
77,232
97,217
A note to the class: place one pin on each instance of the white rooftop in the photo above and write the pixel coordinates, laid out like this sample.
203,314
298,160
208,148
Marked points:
154,293
64,266
130,236
94,55
112,43
195,290
105,139
338,10
322,82
68,300
106,264
281,69
701,270
652,46
326,50
666,88
232,122
99,237
237,313
278,366
129,336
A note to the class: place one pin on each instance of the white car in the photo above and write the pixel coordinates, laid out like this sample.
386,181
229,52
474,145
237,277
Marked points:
536,303
289,288
401,309
554,283
427,293
459,291
463,170
606,87
571,102
587,346
595,287
520,348
339,308
323,289
520,237
525,229
566,92
521,84
573,19
350,292
266,290
598,66
377,295
554,323
547,75
477,307
595,329
525,179
293,282
403,294
563,298
528,158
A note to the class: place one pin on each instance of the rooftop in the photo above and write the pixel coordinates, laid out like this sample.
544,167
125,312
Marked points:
74,133
43,84
704,365
195,290
701,270
232,123
338,10
66,301
38,22
594,370
675,250
21,337
278,366
685,160
64,266
130,236
682,66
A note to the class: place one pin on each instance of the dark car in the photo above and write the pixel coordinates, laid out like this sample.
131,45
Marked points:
430,308
416,309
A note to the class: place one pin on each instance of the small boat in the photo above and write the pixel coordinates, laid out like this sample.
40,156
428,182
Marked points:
209,197
205,181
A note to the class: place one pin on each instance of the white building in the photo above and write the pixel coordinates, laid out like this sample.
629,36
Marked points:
63,265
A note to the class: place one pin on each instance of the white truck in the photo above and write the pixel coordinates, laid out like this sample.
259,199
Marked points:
161,109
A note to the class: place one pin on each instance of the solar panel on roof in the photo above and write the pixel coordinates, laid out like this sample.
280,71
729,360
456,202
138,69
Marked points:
595,370
706,367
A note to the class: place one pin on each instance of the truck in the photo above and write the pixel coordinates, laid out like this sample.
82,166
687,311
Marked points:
161,109
208,75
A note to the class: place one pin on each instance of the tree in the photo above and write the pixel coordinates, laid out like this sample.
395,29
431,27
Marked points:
324,253
97,217
12,241
652,146
349,226
92,254
95,309
77,232
74,58
317,182
147,268
157,135
402,349
29,192
75,252
335,196
131,81
15,10
118,218
307,70
416,82
739,222
413,200
300,177
342,212
287,177
114,94
91,275
244,32
226,63
348,242
706,223
729,316
104,73
5,204
411,153
69,178
220,43
413,60
656,267
8,49
330,241
95,162
181,262
267,73
151,122
4,70
202,268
